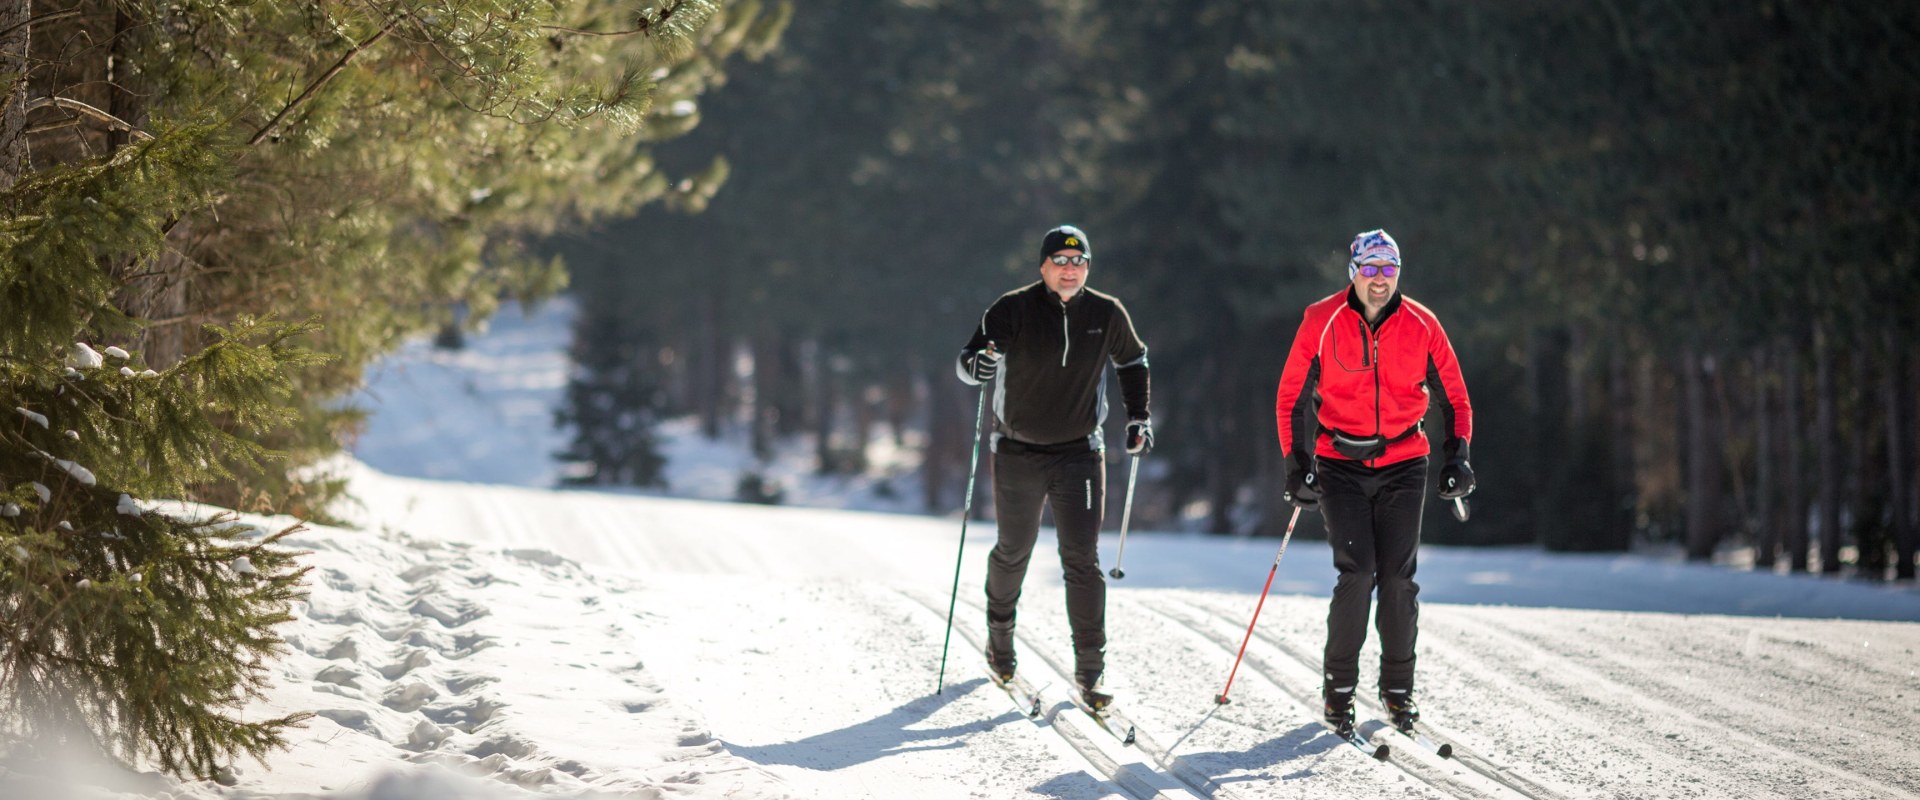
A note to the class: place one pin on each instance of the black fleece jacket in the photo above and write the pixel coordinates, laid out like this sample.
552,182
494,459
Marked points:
1052,384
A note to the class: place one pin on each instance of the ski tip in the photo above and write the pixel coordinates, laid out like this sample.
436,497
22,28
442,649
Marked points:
1445,751
1129,739
1380,752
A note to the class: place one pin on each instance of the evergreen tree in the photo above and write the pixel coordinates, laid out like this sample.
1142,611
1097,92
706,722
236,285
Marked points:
421,144
140,630
613,399
166,201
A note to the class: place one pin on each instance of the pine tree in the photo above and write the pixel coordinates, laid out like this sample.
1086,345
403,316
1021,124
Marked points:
613,400
138,629
166,203
389,162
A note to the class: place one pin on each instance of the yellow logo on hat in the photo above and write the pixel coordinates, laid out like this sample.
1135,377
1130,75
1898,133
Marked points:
1072,242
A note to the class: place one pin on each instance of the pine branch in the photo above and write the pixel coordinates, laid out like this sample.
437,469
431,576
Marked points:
313,88
643,26
113,122
57,15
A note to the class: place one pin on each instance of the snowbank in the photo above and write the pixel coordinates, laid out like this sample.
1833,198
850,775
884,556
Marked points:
439,669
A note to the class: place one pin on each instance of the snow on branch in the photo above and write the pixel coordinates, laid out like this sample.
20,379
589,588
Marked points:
37,419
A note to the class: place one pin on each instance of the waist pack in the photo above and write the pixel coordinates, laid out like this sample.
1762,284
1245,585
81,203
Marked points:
1368,448
1008,444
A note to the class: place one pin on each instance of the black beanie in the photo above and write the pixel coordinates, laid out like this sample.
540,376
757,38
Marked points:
1065,237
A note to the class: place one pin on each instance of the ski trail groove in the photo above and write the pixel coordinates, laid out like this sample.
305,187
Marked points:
1431,774
1717,678
1163,757
1144,784
1464,755
1704,730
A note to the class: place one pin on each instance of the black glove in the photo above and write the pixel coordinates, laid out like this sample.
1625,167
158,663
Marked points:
1456,479
1139,436
983,365
1303,486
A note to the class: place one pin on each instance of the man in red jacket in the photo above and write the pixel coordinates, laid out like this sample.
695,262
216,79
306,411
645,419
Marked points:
1365,366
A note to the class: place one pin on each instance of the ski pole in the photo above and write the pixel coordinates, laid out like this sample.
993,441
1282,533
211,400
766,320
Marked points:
973,469
1126,514
1222,699
1460,511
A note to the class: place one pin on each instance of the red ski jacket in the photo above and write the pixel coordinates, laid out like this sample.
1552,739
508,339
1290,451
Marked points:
1365,381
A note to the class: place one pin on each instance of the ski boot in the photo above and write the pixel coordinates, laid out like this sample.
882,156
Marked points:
1339,710
1089,685
1000,648
1001,663
1401,710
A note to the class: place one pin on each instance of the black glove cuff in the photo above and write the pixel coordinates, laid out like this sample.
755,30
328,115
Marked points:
1458,451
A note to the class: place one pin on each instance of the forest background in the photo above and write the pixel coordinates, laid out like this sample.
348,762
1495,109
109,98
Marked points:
1673,245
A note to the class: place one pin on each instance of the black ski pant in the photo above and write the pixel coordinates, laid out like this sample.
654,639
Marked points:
1373,524
1075,483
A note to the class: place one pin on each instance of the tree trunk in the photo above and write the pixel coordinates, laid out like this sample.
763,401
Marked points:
1221,484
13,96
825,407
1827,443
792,399
713,362
1866,500
942,441
778,401
1703,490
1726,435
162,292
1549,354
124,101
1620,444
1793,530
1222,493
1766,532
1577,376
899,404
160,287
866,411
1910,474
767,389
1903,527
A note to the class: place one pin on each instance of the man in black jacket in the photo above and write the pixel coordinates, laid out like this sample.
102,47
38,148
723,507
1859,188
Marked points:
1049,344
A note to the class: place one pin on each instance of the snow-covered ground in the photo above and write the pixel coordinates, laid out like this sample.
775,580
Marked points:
569,643
476,640
485,414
